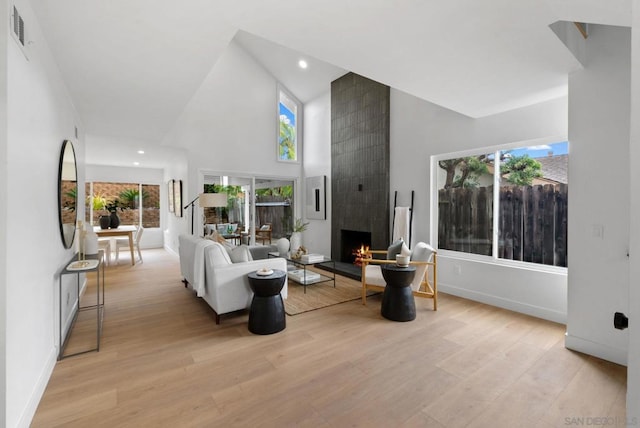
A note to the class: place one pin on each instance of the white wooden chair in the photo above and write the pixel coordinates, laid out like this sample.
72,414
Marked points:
123,243
424,284
104,244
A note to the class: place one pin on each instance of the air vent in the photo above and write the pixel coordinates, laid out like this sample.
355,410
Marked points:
19,32
18,26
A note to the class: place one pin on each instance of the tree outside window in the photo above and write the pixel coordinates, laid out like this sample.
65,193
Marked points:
288,126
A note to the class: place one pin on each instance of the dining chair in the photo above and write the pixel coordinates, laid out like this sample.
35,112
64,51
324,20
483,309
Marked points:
264,233
123,243
104,244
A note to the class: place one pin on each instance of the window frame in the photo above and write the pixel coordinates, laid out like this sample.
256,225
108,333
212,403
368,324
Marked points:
281,89
89,207
434,217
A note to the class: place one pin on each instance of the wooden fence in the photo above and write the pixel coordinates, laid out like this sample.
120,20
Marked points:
532,222
277,211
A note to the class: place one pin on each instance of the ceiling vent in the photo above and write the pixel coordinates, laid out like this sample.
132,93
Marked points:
18,30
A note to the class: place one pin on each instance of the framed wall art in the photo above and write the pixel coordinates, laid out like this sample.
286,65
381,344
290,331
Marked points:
316,197
177,197
170,196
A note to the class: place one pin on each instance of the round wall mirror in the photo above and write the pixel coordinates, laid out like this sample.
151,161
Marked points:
67,193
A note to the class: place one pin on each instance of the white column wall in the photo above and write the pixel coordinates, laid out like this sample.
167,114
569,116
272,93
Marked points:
4,189
317,161
599,123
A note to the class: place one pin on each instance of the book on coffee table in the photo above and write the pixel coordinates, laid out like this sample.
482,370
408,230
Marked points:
298,275
312,258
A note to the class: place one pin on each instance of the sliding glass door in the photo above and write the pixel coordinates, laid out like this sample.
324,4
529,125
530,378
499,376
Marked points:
253,203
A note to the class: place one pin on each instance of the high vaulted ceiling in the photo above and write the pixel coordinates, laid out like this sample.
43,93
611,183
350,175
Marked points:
131,66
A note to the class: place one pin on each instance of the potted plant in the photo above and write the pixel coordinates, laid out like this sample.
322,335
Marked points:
130,198
296,237
99,203
113,206
70,197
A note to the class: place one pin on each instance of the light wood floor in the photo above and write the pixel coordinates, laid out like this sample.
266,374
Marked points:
164,362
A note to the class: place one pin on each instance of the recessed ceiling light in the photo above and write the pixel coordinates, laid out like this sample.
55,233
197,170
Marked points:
303,64
136,163
140,152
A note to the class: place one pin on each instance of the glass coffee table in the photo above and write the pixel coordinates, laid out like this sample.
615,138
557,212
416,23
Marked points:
304,276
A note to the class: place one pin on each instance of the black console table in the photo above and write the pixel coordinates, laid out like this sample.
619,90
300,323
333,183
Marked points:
95,264
398,303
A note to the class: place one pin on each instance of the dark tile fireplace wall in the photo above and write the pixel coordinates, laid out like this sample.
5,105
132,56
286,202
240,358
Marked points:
359,160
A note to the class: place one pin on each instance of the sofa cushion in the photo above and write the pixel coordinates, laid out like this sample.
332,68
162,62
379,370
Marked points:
422,252
218,255
240,254
259,252
215,236
373,275
394,249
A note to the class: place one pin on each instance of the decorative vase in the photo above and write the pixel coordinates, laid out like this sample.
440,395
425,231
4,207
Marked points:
114,220
90,241
283,247
296,241
105,221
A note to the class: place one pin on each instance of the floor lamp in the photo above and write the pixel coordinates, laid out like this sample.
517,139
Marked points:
211,200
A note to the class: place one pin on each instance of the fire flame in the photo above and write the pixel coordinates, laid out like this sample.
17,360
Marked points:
361,254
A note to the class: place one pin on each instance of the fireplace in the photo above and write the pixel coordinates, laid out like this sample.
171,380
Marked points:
360,159
352,240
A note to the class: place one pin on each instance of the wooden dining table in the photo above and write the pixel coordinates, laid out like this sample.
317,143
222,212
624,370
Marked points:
119,231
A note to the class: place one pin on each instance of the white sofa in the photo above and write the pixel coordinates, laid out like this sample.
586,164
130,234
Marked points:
206,266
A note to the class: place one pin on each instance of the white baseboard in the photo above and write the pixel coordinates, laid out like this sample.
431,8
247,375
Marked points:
608,353
500,302
170,250
38,390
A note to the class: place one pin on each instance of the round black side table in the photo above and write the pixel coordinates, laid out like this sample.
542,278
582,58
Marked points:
266,315
398,303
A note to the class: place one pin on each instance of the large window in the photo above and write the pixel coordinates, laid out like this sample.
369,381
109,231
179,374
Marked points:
508,203
134,203
289,126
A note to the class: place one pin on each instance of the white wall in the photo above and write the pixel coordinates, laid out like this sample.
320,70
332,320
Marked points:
152,237
419,130
229,126
317,161
633,369
175,225
4,188
40,115
599,124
